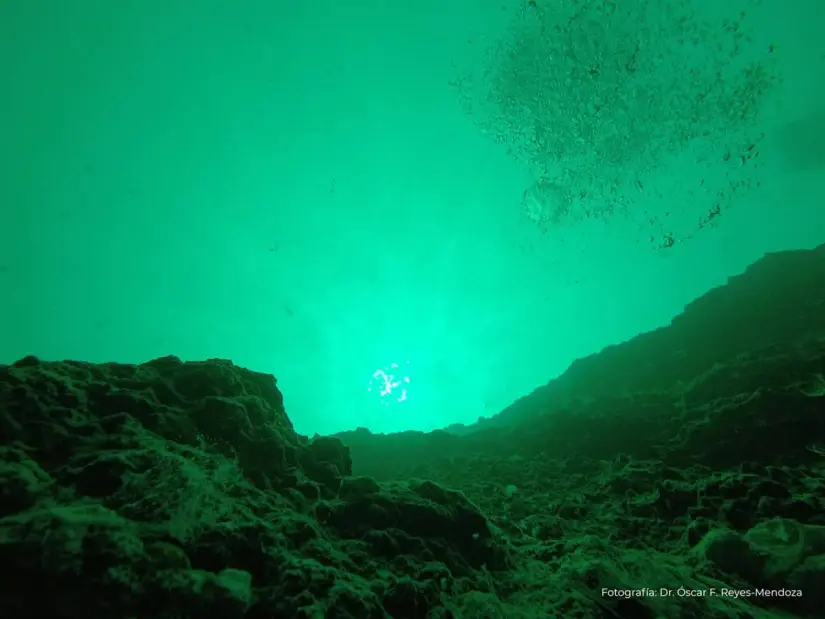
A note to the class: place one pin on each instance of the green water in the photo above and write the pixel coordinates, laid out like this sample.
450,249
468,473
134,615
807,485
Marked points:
411,213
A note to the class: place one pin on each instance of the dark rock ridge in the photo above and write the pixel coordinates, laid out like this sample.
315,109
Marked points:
677,475
778,300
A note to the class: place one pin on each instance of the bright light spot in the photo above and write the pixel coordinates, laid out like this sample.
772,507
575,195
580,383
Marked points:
391,383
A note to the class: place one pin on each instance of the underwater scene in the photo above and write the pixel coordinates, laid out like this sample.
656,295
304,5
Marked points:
505,309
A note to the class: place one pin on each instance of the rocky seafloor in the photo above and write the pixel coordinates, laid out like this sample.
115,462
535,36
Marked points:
678,475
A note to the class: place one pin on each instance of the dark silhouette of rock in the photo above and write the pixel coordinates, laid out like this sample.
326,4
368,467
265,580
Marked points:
680,474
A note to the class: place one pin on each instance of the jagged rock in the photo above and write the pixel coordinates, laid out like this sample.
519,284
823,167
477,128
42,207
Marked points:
172,489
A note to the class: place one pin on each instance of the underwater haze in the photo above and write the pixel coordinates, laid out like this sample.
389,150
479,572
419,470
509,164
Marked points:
411,213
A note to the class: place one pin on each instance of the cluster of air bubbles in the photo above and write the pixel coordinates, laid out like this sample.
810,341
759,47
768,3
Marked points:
391,383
